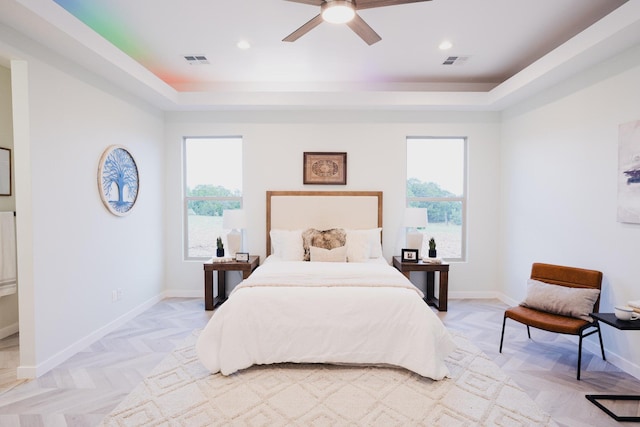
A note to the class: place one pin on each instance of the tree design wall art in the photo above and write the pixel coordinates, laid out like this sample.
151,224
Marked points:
118,180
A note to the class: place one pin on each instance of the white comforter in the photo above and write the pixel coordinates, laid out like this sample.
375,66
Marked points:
316,312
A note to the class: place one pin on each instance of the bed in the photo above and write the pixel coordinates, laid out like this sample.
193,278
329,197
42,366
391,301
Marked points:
325,294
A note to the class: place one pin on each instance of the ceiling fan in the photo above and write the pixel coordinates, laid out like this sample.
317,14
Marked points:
344,12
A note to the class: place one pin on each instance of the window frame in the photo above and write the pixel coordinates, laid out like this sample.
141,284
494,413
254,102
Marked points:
187,199
462,199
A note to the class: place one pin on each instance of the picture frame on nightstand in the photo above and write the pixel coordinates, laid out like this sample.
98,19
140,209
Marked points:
242,256
409,255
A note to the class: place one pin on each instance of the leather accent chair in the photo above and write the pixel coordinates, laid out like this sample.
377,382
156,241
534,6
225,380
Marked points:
562,276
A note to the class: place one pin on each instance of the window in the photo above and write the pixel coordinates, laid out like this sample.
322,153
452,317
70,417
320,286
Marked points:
212,184
436,180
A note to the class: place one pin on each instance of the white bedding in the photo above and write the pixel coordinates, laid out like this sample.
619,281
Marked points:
322,312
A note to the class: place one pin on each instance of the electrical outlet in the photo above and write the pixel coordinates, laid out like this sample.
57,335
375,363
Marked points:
120,293
114,296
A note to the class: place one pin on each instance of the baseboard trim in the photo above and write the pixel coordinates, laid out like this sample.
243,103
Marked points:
9,330
30,372
507,300
174,293
616,360
472,295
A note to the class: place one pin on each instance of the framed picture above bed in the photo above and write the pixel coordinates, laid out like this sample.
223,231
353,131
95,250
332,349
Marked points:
409,255
325,168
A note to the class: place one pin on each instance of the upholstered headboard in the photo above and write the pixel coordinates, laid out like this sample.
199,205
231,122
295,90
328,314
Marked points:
292,210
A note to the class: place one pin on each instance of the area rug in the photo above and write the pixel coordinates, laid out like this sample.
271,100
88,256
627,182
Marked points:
181,392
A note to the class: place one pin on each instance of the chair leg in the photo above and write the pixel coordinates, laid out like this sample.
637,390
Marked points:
528,331
504,320
579,356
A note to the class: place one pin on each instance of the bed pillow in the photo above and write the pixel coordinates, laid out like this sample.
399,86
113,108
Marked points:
338,254
375,242
375,245
326,239
287,244
358,246
572,302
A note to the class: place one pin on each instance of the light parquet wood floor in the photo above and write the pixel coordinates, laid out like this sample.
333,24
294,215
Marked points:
81,391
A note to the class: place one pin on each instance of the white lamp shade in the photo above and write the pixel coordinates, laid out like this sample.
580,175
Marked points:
233,219
415,217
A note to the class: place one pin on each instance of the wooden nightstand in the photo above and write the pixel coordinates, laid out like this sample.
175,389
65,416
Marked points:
222,267
443,269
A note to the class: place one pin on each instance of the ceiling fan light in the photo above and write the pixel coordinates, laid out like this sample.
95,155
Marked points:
338,11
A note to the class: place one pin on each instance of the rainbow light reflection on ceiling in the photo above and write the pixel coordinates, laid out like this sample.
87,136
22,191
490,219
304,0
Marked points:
105,23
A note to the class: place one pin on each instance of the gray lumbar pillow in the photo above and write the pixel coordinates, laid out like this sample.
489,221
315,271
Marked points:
572,302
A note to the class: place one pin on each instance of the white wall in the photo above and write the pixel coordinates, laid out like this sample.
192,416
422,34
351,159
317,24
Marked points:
559,164
9,303
274,143
72,251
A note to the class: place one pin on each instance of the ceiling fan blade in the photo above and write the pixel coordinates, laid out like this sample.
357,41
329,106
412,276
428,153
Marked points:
311,2
304,29
370,4
363,29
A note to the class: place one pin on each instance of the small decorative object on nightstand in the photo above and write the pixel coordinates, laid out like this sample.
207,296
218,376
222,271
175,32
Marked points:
242,256
409,255
220,247
432,248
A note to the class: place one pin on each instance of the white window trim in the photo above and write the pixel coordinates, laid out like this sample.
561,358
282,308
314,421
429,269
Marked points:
187,199
464,199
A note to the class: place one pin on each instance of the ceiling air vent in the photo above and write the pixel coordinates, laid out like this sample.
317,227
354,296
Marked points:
196,59
455,60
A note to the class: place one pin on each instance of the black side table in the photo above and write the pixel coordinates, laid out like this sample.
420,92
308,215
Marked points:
625,325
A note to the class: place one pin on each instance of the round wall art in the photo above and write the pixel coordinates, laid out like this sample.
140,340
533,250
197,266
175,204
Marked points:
118,180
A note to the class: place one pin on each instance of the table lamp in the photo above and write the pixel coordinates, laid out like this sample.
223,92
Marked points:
414,218
234,220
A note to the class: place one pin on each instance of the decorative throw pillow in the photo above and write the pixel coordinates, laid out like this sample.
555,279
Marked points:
287,244
572,302
327,239
338,254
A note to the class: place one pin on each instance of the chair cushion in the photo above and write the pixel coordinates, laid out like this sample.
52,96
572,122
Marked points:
547,321
563,300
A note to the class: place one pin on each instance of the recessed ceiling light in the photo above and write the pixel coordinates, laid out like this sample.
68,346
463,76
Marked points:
243,44
446,44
